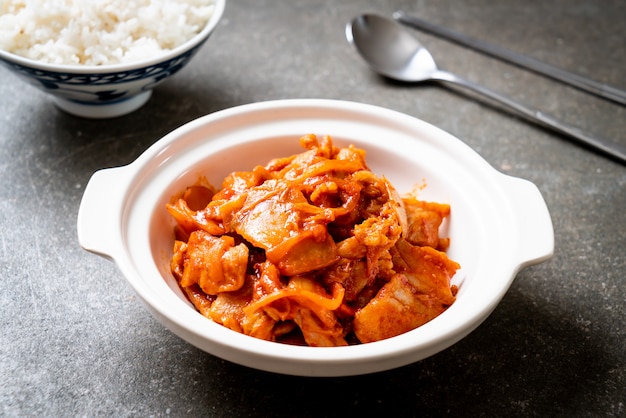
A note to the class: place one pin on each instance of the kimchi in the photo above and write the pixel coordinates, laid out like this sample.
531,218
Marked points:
312,248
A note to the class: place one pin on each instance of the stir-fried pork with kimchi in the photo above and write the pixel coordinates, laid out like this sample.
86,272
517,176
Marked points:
312,249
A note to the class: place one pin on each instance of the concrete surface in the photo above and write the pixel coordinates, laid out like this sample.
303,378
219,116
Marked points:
76,341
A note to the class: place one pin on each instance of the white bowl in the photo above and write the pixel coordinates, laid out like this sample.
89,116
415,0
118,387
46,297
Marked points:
94,91
498,225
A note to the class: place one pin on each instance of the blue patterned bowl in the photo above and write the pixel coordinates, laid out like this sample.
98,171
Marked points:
107,91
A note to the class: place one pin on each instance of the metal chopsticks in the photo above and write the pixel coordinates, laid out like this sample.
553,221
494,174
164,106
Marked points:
583,83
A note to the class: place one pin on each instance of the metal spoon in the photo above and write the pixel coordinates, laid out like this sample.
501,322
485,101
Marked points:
394,53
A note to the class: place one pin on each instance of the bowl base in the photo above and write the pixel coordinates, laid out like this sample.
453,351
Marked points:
102,111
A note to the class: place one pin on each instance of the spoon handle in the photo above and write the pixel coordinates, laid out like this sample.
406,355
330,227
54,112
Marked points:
583,83
615,150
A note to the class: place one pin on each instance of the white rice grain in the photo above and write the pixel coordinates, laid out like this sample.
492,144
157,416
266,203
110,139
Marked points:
98,32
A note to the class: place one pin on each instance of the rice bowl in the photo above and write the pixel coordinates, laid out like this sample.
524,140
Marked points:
115,88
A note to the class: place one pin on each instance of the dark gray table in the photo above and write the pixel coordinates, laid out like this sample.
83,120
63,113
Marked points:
76,341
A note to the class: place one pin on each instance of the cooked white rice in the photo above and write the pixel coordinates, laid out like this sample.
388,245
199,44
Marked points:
98,32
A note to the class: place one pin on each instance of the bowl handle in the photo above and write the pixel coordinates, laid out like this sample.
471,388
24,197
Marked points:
535,242
99,214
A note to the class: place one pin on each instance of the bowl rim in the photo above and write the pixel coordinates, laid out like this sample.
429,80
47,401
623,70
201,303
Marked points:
196,40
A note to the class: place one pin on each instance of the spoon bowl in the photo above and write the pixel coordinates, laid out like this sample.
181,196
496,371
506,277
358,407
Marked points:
390,52
393,52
